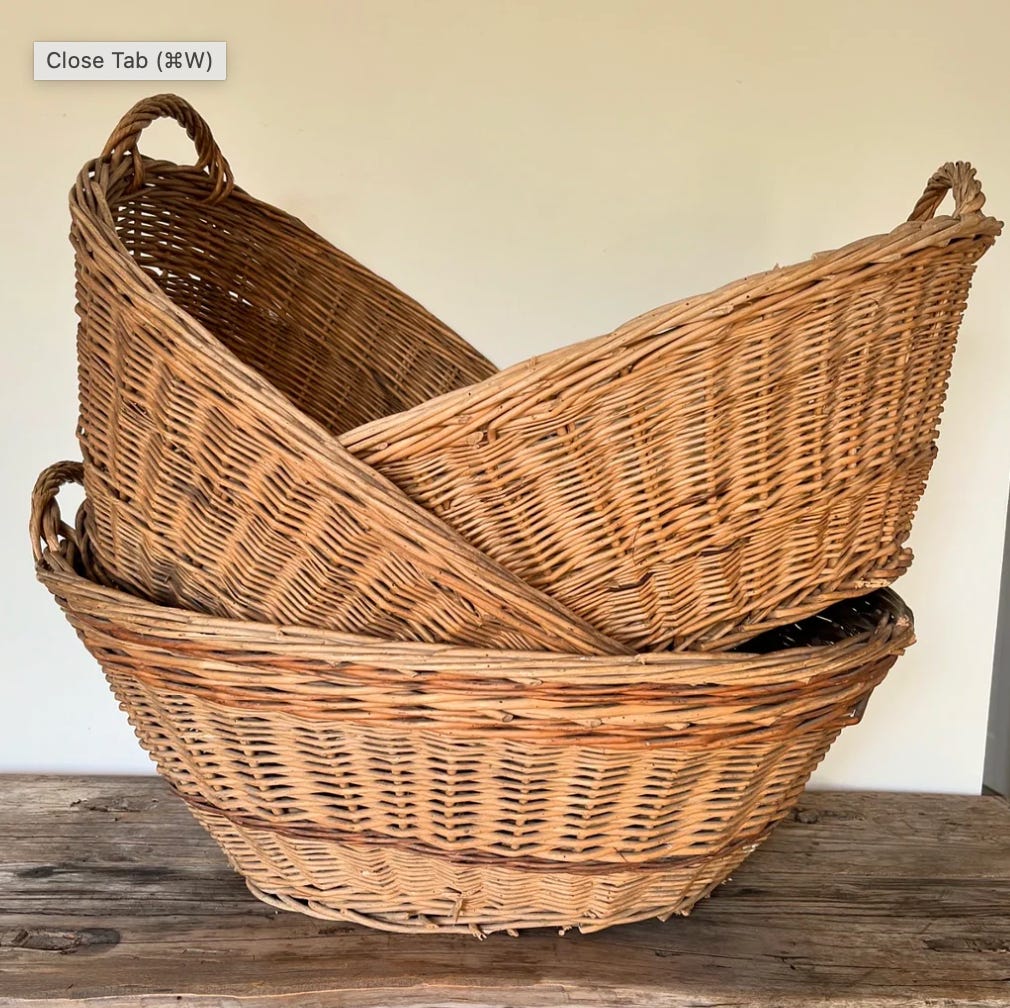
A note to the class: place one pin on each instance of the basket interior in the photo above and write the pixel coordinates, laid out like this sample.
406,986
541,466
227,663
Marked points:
838,622
341,343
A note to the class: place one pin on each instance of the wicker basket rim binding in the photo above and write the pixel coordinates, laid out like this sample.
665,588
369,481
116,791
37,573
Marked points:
55,548
464,591
591,791
550,375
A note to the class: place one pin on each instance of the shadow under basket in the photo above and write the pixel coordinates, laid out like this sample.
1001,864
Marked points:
420,787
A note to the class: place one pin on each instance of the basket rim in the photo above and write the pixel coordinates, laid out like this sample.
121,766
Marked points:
541,376
88,598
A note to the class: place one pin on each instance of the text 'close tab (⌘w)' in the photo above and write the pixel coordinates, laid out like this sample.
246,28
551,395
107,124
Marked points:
130,61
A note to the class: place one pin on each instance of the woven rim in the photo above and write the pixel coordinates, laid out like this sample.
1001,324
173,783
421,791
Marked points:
61,552
543,375
529,383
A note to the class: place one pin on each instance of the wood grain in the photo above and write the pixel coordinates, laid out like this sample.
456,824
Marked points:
109,890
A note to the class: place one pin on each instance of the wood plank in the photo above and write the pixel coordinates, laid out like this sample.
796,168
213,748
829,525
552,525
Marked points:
109,890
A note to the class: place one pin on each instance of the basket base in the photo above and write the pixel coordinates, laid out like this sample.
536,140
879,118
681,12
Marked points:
405,891
406,923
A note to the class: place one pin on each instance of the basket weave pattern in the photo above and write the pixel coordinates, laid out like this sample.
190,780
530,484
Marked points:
429,646
721,465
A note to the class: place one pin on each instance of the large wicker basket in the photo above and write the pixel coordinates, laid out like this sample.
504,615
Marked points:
714,467
723,464
221,346
413,786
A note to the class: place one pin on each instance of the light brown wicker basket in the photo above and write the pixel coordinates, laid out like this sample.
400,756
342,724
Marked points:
723,464
714,467
221,346
412,786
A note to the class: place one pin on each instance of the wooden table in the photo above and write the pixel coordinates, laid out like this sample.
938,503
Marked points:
109,890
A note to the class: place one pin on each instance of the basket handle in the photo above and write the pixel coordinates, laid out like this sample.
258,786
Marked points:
46,526
123,140
957,177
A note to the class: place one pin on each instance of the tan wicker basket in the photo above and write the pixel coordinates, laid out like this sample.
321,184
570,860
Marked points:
714,467
723,464
412,786
221,345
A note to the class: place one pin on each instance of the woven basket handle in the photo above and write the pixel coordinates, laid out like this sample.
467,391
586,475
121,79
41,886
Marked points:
123,141
46,525
958,178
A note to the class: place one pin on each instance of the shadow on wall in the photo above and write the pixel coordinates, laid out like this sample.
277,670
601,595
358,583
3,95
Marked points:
997,749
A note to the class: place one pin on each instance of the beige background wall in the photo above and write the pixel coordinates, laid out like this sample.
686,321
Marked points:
536,173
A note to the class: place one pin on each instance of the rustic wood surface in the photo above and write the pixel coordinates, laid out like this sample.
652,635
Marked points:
109,890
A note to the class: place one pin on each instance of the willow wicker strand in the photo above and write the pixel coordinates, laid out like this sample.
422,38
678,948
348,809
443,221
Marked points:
211,480
414,786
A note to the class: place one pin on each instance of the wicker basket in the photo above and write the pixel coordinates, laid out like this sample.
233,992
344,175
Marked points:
412,786
723,464
221,346
714,467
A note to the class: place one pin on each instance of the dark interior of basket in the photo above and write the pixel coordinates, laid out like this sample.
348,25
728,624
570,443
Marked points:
838,622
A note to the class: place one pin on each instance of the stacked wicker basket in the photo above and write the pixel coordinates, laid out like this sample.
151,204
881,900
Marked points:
426,645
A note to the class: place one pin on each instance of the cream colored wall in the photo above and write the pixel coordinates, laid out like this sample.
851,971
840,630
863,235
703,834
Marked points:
536,173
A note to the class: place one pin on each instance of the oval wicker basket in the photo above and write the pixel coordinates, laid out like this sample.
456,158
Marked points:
714,467
221,345
723,464
413,786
